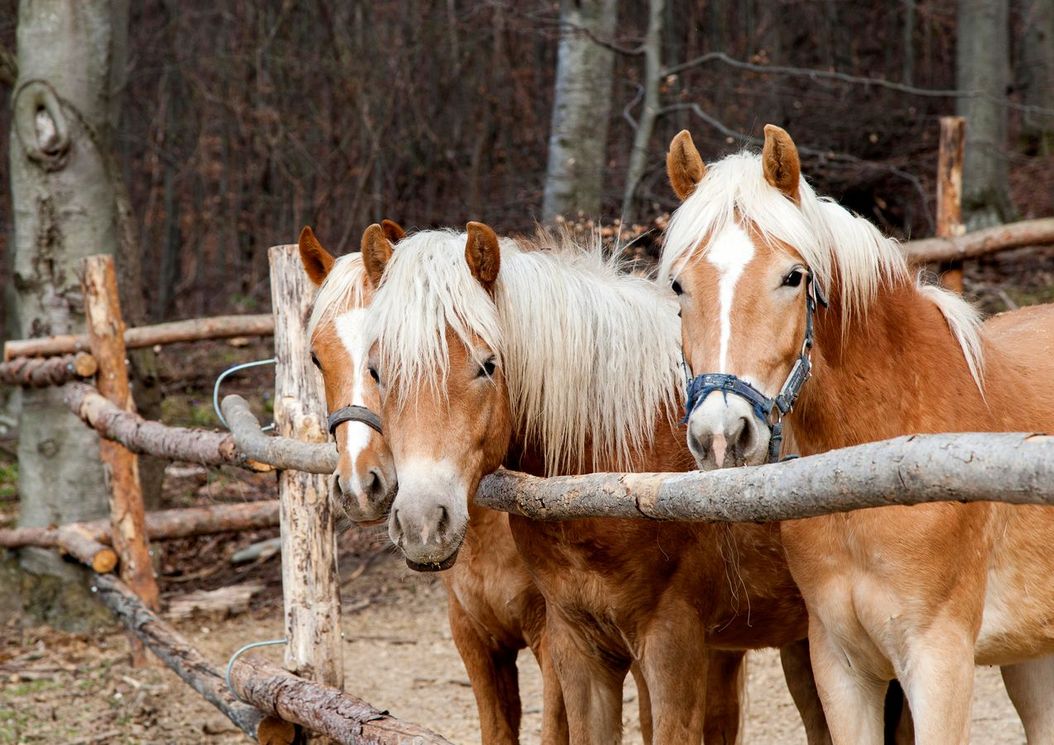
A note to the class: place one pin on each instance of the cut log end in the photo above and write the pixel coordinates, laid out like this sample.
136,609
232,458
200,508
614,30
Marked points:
274,731
105,561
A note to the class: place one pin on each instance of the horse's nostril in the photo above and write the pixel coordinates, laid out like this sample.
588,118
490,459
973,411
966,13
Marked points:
374,484
444,520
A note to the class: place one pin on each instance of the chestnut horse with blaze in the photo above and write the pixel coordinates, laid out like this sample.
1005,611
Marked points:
776,284
494,609
552,360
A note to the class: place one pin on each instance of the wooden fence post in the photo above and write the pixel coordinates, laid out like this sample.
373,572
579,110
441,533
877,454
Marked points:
310,583
949,194
102,309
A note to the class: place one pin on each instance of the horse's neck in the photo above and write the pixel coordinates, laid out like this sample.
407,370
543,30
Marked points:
897,370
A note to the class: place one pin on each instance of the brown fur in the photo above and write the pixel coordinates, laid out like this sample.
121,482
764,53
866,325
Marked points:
376,250
678,600
779,161
317,260
684,165
482,253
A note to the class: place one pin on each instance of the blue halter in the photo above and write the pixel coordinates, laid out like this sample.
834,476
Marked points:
703,385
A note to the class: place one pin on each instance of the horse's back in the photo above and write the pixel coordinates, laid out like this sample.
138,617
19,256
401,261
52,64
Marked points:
1025,339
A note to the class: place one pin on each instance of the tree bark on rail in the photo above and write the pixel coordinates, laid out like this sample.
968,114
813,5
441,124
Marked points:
1013,467
174,332
982,242
284,453
185,661
322,709
43,372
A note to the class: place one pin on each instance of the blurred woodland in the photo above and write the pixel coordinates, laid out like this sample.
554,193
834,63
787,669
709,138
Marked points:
242,121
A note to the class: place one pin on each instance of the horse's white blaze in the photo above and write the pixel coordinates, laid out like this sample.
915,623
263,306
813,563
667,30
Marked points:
352,335
730,253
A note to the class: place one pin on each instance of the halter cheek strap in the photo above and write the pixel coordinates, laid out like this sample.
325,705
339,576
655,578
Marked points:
354,414
764,407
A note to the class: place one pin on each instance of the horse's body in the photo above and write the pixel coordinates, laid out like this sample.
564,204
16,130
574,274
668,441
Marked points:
916,593
494,608
560,365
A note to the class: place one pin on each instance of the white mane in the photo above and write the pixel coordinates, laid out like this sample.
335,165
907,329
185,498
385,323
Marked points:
836,244
590,355
343,289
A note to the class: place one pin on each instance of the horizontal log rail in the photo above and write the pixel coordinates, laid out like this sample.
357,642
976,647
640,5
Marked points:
283,453
41,372
89,541
195,329
320,708
973,467
981,242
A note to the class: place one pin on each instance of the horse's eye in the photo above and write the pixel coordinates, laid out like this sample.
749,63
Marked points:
486,370
676,287
374,375
793,279
315,362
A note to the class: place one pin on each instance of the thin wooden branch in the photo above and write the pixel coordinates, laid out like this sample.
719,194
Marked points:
195,329
1014,467
41,372
160,525
185,661
981,242
322,709
284,453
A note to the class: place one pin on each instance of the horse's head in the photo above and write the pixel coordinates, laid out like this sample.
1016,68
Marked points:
437,358
365,480
745,292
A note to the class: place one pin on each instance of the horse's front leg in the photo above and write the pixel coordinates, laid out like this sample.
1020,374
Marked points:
1031,688
554,713
797,669
725,683
591,684
492,673
677,667
937,673
853,699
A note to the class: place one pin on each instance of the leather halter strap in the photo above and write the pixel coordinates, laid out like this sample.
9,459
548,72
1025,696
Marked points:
354,414
769,410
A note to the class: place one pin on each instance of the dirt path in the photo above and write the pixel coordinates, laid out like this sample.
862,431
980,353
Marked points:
398,655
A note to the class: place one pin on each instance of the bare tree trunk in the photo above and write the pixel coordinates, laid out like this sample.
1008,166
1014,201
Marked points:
65,208
581,109
982,72
649,111
1037,62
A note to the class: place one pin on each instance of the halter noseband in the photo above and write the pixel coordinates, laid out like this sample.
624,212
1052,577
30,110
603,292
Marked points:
354,414
703,385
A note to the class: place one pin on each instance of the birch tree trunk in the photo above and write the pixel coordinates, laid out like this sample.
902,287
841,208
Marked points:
581,109
983,72
1037,63
65,106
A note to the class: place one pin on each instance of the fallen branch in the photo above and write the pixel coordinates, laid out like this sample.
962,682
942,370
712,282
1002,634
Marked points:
195,329
981,242
41,372
319,708
1013,467
76,539
184,660
283,453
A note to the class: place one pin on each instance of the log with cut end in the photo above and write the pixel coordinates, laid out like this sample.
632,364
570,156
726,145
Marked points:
186,662
320,708
981,242
195,329
41,372
1012,467
82,541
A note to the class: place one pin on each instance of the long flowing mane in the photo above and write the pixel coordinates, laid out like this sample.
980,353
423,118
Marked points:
343,289
591,355
845,251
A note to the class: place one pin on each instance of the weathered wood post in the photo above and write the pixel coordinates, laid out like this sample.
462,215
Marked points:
102,309
949,194
310,582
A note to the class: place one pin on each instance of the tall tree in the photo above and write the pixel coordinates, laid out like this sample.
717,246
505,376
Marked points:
71,58
581,108
1037,66
983,74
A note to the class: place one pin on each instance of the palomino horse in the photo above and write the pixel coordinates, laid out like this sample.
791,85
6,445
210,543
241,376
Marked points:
494,609
554,361
917,593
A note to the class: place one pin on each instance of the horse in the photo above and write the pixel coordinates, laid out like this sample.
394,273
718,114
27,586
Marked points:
796,310
494,609
491,352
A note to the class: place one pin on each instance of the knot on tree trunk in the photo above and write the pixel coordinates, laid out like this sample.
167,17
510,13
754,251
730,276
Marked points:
41,125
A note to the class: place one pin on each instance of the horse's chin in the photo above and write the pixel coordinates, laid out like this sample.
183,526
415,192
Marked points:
434,566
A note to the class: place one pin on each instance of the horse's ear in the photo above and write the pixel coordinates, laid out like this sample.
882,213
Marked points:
393,231
779,160
376,250
317,260
684,165
482,253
